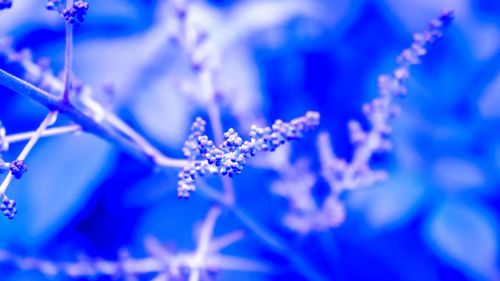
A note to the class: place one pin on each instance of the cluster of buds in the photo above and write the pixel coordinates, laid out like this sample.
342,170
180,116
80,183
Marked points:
18,168
190,148
74,14
8,207
230,157
305,215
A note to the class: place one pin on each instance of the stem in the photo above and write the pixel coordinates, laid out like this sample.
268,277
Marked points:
268,237
47,133
207,231
68,56
49,119
6,183
104,129
216,122
158,158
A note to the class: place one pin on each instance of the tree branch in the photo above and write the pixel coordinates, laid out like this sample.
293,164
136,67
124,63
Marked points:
105,129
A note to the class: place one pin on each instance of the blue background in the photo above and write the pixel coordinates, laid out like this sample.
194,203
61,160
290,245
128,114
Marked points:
435,219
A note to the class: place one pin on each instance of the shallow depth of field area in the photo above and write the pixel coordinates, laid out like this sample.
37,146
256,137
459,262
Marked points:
365,141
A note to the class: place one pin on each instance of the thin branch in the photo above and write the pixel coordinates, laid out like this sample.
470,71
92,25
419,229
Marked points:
68,56
103,129
207,231
216,121
47,133
49,119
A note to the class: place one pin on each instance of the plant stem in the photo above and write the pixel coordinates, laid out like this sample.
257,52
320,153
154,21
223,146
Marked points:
68,56
49,119
104,129
216,123
47,133
268,237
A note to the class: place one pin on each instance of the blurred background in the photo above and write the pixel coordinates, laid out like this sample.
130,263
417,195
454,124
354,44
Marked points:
436,218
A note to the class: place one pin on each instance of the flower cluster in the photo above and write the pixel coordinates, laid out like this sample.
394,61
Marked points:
190,148
381,109
5,4
18,168
74,14
230,157
8,207
343,175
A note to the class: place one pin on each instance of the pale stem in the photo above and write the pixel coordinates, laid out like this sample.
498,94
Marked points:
49,119
47,133
216,123
222,242
204,242
152,152
104,130
68,57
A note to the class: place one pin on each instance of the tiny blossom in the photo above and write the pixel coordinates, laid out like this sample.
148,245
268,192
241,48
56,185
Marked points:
5,4
18,168
190,148
55,5
230,157
74,14
8,207
77,12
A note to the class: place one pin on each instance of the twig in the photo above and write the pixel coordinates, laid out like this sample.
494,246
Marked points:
49,119
47,133
68,57
103,129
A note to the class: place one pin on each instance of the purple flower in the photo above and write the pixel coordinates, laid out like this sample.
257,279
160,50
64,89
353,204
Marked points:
18,168
230,157
74,14
8,207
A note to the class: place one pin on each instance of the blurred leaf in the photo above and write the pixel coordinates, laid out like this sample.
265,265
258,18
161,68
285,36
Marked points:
457,174
390,204
62,173
465,236
151,189
489,100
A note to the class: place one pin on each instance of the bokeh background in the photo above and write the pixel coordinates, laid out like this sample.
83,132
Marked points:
435,219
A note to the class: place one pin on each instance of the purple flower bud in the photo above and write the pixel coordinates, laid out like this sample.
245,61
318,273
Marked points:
18,168
7,207
229,158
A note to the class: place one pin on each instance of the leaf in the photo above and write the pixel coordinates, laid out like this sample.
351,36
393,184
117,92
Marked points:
465,236
151,189
62,174
457,174
390,204
489,100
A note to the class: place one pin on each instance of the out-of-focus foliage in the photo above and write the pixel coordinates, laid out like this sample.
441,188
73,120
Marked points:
435,219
